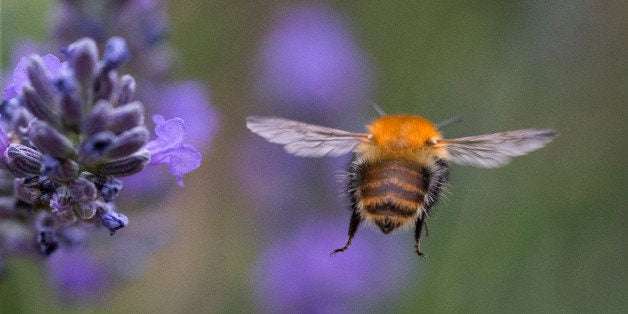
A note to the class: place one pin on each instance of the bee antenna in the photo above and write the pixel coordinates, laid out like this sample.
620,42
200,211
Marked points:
449,122
377,108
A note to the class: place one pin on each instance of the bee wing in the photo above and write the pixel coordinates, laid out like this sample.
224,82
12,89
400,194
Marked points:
495,150
302,139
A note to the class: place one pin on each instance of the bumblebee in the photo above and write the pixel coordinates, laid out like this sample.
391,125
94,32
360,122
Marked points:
400,167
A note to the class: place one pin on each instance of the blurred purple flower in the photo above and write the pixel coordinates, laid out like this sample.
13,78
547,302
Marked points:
311,69
169,149
76,274
102,19
310,58
79,273
297,274
20,77
71,20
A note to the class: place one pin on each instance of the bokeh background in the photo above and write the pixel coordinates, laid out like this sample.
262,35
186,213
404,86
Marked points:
252,229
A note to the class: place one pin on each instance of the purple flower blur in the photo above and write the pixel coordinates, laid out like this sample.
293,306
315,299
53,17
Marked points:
311,69
103,19
52,64
309,58
169,149
188,100
297,274
76,275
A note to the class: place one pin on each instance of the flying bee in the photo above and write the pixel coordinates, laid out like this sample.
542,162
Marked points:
399,168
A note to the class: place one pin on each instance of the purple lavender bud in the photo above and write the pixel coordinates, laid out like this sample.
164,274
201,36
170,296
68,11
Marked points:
8,107
92,150
66,82
47,240
50,141
85,210
110,189
126,117
26,191
70,107
114,221
98,180
128,143
98,119
35,189
49,165
62,205
103,88
46,236
68,170
60,170
23,159
116,53
125,166
38,107
19,122
41,185
127,89
82,190
83,57
40,79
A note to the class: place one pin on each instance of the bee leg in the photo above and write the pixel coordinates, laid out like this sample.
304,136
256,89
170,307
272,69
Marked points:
353,227
417,236
427,230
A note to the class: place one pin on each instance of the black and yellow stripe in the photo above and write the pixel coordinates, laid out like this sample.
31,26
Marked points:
391,192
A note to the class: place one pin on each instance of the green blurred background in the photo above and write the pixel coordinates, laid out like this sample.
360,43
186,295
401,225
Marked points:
544,234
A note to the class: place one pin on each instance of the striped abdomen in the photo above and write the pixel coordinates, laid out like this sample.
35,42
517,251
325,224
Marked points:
391,192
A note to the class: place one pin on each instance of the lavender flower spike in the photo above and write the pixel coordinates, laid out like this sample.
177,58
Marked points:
72,137
169,149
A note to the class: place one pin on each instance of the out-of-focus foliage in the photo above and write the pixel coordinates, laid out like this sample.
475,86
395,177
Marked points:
544,234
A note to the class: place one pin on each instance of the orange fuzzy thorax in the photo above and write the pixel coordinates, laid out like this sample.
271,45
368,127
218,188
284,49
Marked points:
402,132
402,136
